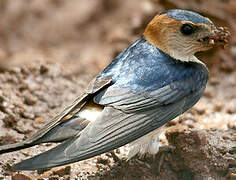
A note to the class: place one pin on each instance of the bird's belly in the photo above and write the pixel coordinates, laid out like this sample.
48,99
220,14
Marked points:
146,144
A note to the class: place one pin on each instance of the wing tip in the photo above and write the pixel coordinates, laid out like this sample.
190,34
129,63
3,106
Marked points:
30,165
49,159
22,167
14,147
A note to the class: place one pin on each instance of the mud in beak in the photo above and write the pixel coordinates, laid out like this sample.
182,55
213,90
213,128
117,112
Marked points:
219,38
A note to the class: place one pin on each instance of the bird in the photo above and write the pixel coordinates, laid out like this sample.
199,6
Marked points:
154,80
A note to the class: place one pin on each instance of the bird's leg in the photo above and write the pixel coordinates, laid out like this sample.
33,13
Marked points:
163,151
115,157
154,145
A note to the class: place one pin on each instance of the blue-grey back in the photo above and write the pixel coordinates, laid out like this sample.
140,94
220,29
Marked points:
144,67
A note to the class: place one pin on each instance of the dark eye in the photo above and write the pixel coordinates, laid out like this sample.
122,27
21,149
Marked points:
187,29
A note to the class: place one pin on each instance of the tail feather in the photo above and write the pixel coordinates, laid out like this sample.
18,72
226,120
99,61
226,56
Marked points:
14,147
52,158
59,133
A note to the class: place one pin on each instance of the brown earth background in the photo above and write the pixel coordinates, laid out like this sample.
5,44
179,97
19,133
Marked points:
50,49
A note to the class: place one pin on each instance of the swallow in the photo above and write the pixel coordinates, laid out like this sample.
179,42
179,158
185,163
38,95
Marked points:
154,80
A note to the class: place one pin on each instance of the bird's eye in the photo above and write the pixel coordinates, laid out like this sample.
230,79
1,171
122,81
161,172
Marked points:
187,29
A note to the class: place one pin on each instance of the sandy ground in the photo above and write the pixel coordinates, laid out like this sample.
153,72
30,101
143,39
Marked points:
50,49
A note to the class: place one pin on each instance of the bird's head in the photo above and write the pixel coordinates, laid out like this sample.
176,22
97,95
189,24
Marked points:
182,33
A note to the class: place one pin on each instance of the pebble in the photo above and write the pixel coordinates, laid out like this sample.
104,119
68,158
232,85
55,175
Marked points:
62,171
30,100
39,120
209,94
231,108
21,176
218,106
53,178
200,108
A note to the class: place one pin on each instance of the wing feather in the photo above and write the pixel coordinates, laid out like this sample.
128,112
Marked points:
112,130
120,123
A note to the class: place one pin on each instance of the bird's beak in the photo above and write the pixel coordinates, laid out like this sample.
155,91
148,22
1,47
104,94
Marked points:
220,37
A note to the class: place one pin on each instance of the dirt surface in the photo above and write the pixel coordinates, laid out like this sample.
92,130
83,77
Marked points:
50,49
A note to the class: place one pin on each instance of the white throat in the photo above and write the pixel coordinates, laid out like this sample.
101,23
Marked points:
185,58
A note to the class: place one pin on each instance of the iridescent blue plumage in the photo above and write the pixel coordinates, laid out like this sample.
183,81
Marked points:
184,15
145,68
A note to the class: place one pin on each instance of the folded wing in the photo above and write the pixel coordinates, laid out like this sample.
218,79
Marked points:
127,116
